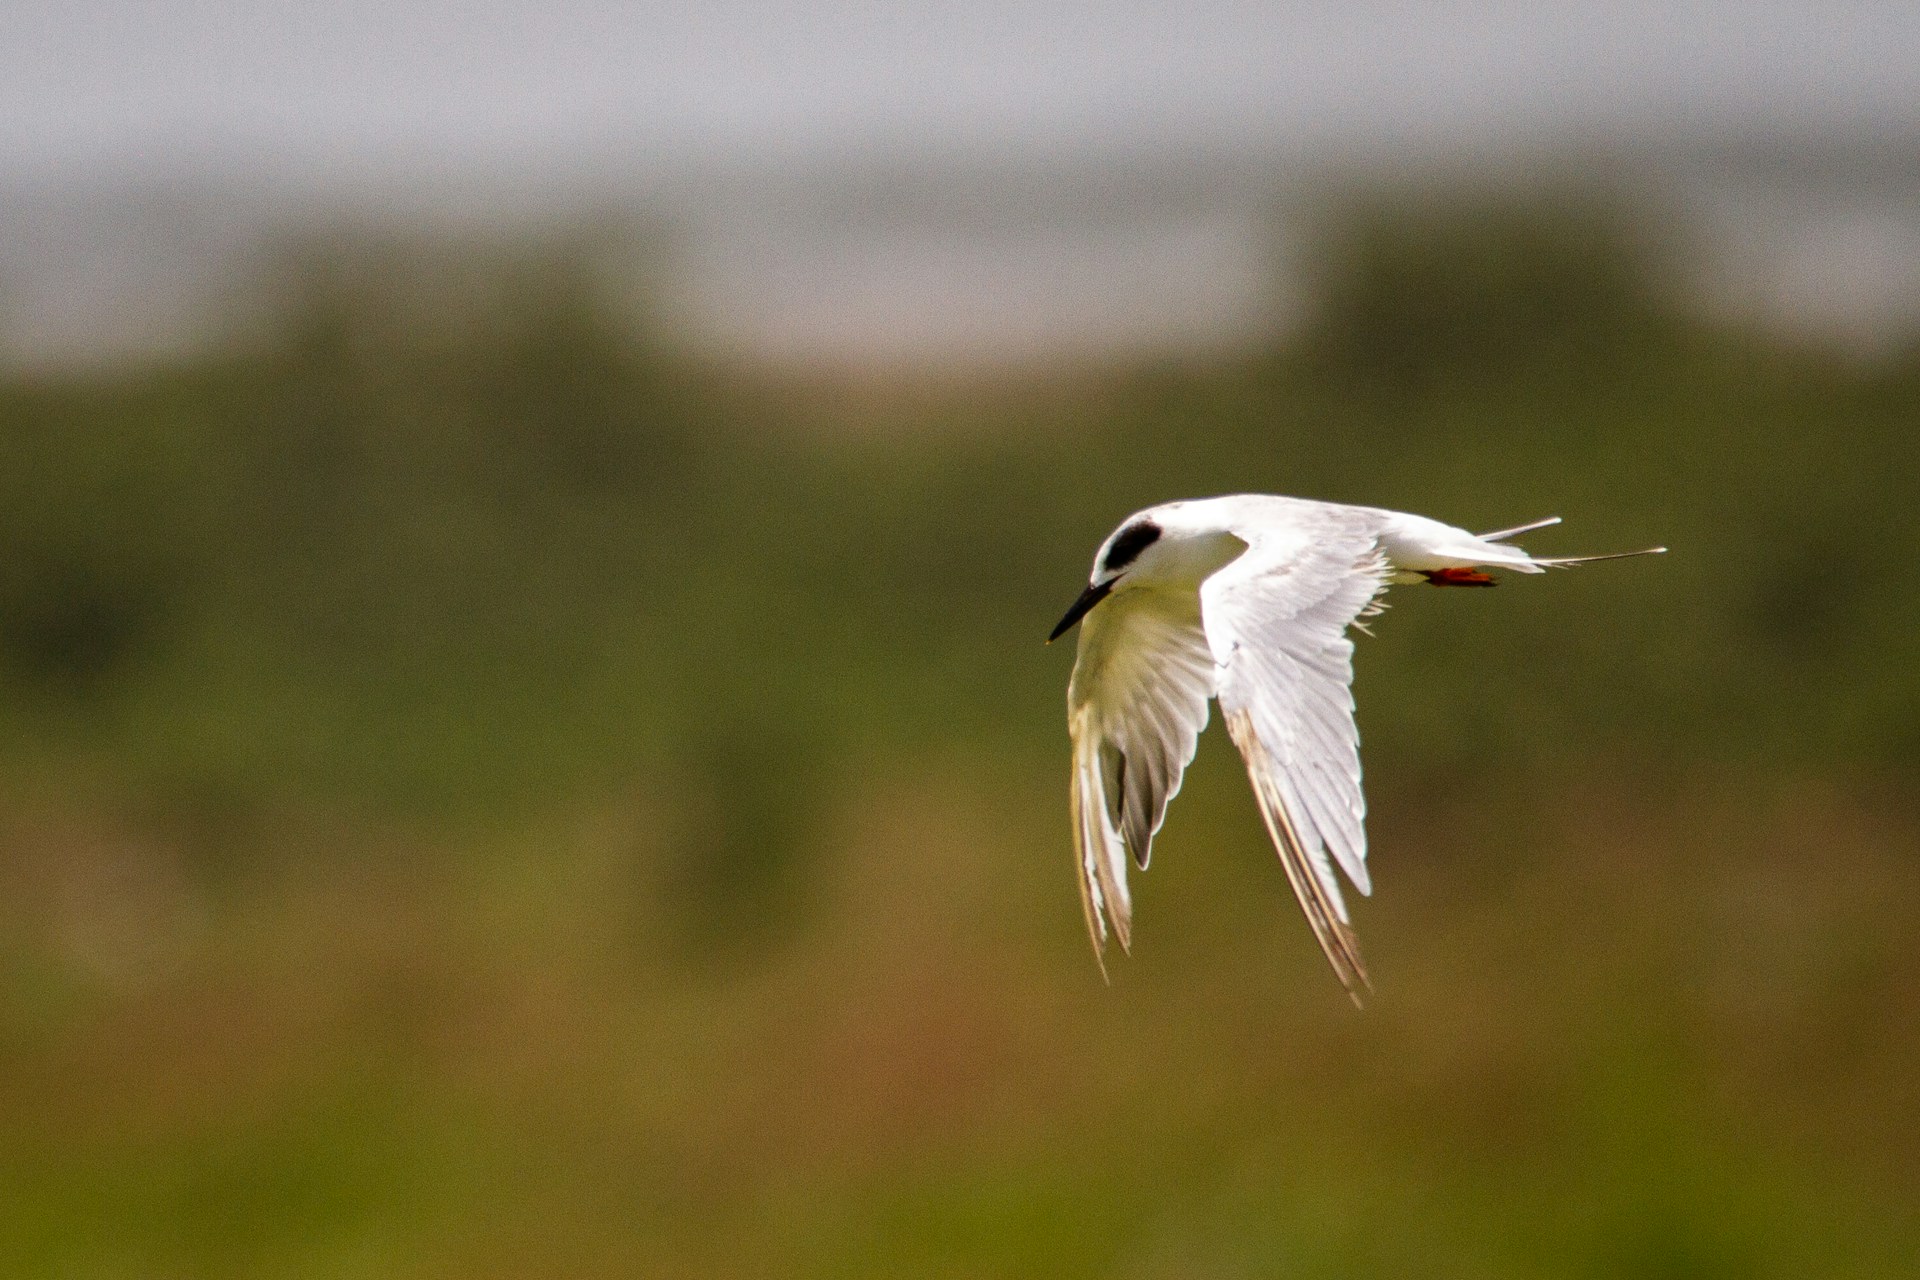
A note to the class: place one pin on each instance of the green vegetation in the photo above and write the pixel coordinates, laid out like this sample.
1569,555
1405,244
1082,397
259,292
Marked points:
491,796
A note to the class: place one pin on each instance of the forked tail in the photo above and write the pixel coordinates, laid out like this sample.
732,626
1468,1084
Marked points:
1501,535
1561,562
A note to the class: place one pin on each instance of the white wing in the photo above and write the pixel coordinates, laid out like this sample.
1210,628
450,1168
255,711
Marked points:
1277,620
1135,707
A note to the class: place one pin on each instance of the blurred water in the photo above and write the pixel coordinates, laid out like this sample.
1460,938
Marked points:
909,263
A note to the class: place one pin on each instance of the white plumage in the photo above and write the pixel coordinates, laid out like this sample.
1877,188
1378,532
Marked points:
1247,600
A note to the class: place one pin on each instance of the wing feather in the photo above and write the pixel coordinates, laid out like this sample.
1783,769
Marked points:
1135,708
1277,622
1307,869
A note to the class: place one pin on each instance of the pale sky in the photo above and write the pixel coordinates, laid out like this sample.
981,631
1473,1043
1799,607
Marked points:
1047,161
91,86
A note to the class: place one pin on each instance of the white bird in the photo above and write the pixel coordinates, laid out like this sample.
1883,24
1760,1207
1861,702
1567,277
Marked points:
1246,599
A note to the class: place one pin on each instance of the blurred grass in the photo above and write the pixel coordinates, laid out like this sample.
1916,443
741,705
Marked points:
490,796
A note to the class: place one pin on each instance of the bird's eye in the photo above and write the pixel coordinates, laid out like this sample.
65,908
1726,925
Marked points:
1129,543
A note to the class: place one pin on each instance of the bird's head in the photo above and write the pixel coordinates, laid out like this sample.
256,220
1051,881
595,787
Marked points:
1121,552
1167,544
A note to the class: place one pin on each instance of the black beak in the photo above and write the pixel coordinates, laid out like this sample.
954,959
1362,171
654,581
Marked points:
1090,597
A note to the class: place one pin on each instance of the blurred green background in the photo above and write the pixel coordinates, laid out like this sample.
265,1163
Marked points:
486,792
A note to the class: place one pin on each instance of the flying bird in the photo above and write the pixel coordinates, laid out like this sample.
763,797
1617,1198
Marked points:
1247,600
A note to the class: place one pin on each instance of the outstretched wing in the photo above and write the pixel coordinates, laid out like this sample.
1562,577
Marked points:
1135,707
1277,620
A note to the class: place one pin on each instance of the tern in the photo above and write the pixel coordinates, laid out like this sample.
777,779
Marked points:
1246,600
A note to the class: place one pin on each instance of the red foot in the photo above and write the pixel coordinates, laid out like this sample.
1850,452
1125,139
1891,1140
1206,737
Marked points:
1458,577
